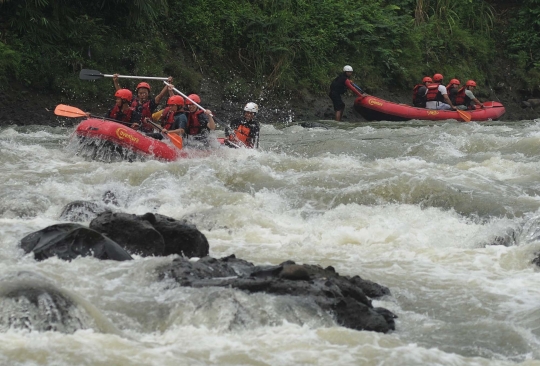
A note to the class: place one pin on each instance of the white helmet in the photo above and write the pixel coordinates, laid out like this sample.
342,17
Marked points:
347,68
251,107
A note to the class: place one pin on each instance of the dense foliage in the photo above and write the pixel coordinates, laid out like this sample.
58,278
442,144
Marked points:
290,45
524,42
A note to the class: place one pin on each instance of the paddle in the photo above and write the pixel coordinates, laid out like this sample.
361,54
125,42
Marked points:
198,105
359,88
175,139
86,74
72,112
466,116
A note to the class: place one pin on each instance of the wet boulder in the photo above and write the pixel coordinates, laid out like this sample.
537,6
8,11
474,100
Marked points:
152,234
345,297
180,237
31,302
69,241
134,233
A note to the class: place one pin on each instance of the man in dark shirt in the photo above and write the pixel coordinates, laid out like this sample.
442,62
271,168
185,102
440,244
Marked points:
339,86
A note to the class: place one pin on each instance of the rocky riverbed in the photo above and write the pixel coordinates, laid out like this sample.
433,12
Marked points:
114,236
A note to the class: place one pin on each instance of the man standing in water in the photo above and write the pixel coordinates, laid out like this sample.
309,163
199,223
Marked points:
339,86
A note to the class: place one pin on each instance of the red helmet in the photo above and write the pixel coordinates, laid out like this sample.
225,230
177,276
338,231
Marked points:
124,94
470,83
143,85
175,100
454,81
427,79
438,77
193,97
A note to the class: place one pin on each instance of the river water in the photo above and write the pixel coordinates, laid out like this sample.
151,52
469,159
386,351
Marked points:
446,215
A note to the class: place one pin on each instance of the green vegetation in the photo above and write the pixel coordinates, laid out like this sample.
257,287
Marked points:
251,46
524,43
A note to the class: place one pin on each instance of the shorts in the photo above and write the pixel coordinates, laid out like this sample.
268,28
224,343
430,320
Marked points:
338,103
438,105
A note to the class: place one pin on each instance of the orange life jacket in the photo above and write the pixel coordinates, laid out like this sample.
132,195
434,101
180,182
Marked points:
242,133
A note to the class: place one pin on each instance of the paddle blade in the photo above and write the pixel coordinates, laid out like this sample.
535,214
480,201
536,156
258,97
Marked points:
68,111
86,74
466,116
176,140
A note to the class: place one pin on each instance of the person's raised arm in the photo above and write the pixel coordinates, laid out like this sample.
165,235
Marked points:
115,81
211,123
163,91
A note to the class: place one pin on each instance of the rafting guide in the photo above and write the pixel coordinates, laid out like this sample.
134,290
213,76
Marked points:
244,131
339,86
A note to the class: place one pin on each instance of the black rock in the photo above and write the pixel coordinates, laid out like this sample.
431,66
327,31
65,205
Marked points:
152,234
68,241
134,233
31,302
181,237
340,295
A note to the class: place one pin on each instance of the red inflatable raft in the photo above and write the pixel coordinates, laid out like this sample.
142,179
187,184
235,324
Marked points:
376,109
128,138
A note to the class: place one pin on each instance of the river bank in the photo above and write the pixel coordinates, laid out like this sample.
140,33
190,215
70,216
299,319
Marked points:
25,106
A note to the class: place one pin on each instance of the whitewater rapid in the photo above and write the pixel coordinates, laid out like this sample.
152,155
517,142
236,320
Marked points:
446,215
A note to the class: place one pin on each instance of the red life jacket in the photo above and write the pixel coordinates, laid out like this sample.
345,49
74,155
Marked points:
415,91
462,98
142,108
433,93
418,99
242,133
194,126
117,114
167,118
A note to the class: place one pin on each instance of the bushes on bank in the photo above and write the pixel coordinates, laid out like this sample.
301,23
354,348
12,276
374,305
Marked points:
286,45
